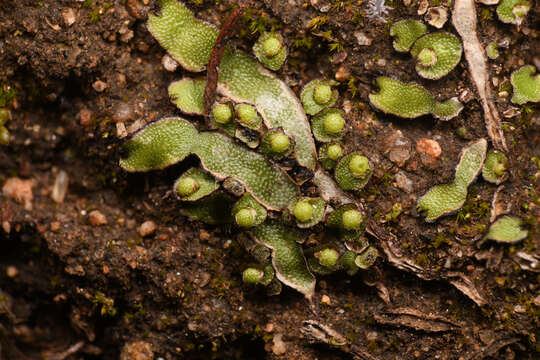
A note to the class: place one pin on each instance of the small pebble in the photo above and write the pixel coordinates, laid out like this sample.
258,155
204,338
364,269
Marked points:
343,73
85,117
70,16
279,347
96,218
19,190
100,86
403,182
147,228
429,151
12,271
123,112
137,350
362,39
60,187
169,63
398,148
325,299
55,226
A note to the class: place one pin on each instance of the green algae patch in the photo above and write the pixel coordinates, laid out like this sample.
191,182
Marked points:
513,11
188,39
405,33
195,184
170,140
445,199
287,257
159,144
270,51
314,215
214,209
436,54
495,167
507,229
318,95
248,202
410,100
348,176
526,85
243,80
187,94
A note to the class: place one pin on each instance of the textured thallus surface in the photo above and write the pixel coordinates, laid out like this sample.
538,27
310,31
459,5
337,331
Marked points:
287,257
187,39
406,32
448,49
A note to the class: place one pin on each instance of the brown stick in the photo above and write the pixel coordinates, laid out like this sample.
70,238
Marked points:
227,30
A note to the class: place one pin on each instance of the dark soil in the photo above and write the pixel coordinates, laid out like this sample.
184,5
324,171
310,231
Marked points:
72,290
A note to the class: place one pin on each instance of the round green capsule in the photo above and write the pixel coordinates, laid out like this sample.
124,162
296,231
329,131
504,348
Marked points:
222,113
271,47
187,186
252,275
322,94
246,114
499,168
5,115
328,257
279,142
427,57
334,151
351,219
333,123
358,165
245,217
303,211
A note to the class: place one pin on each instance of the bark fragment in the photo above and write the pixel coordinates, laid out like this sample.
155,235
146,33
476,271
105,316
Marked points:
464,20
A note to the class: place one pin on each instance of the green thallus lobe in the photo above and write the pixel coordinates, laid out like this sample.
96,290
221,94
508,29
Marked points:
444,199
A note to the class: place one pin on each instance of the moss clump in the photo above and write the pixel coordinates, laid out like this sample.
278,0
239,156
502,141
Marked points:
406,32
5,137
526,85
